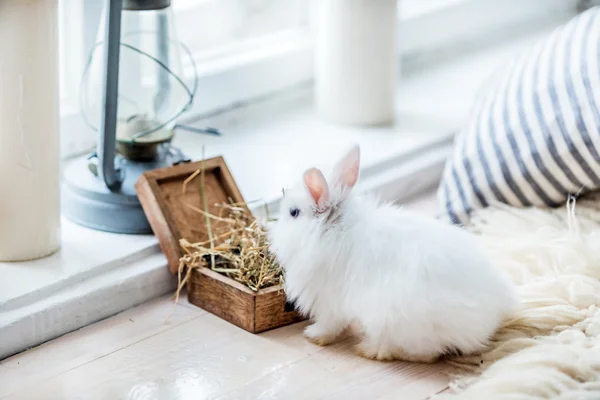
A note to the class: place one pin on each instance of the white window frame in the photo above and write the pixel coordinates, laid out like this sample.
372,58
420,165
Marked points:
246,72
78,25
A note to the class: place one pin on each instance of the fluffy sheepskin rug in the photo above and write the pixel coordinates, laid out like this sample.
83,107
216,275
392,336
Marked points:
551,348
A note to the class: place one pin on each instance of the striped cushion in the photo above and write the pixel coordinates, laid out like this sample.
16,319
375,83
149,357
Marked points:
534,137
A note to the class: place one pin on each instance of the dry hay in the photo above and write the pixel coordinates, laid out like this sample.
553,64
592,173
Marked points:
243,255
238,249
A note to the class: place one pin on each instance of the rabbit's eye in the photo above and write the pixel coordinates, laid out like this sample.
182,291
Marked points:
294,212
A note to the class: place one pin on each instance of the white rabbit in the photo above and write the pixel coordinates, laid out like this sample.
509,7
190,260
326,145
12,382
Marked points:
413,287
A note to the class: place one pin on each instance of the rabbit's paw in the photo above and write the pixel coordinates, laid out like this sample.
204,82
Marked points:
320,335
374,351
382,352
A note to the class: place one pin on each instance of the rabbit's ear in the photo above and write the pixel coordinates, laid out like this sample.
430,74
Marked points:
346,170
317,186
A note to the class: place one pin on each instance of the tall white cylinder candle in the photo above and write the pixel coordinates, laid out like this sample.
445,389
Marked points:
356,60
29,130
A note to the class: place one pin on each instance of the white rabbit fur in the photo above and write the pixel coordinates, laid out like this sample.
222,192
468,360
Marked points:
412,287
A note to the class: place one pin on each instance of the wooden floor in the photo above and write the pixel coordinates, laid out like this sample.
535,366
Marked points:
160,350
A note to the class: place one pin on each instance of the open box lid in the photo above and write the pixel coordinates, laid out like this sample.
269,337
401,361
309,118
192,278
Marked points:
171,212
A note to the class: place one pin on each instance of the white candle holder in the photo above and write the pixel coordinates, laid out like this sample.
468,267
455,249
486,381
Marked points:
356,60
29,130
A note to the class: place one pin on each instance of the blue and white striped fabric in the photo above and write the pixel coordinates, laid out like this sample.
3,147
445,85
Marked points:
534,138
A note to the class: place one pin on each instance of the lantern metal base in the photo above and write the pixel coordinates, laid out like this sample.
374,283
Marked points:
88,202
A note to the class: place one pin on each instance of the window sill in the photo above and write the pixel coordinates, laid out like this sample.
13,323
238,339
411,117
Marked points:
97,274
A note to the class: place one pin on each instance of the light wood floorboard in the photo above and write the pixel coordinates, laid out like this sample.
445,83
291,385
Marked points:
160,350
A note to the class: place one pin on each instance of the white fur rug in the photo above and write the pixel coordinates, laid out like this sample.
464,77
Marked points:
551,349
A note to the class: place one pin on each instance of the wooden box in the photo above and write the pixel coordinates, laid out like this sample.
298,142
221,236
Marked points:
171,217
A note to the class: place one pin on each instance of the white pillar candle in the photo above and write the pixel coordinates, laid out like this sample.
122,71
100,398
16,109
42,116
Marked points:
29,130
356,60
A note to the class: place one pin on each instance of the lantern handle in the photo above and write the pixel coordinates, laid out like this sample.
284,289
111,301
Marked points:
112,176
